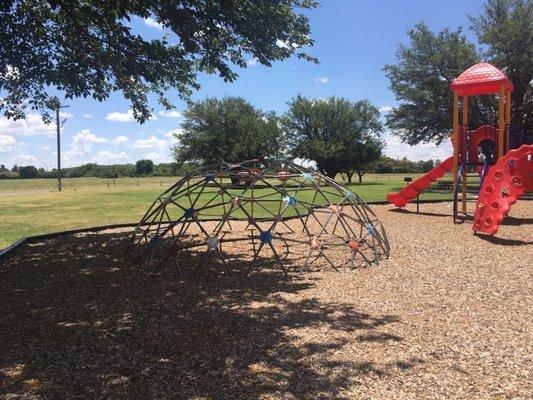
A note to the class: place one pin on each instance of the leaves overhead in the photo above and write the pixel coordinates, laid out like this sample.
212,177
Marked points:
89,49
506,28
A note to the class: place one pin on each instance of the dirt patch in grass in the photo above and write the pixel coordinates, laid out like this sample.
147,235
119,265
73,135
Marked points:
447,316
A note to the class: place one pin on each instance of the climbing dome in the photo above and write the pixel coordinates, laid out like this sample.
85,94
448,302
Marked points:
254,210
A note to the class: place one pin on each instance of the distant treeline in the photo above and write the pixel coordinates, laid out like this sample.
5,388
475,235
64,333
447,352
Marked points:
385,165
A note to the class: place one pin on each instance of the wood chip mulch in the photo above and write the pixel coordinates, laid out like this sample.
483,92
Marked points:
448,316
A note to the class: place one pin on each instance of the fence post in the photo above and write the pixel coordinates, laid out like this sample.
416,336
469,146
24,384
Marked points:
108,183
114,183
138,183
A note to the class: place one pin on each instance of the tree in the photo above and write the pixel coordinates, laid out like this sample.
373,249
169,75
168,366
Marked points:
327,131
89,49
421,82
28,172
229,129
144,167
506,28
3,168
361,157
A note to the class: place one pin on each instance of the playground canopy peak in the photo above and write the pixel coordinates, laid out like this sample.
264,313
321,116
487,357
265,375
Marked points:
482,78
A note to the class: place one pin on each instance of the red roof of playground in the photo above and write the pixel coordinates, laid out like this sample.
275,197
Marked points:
482,78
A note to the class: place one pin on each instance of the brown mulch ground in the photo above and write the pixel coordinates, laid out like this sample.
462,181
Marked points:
448,316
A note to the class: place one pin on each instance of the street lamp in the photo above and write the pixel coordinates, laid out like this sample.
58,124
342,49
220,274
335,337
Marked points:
58,125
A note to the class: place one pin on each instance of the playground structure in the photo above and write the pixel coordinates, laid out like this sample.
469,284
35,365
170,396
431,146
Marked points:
501,156
274,205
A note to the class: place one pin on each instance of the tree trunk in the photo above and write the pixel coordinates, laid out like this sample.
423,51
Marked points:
349,175
360,177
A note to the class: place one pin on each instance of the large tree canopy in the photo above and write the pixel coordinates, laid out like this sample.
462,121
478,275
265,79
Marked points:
228,130
328,131
421,82
506,28
88,47
427,65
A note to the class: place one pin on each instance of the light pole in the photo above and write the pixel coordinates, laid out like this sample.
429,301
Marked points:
58,125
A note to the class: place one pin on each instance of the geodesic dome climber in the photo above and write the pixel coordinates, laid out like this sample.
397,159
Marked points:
252,208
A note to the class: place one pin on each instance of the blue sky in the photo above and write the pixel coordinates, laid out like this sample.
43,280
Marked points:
354,39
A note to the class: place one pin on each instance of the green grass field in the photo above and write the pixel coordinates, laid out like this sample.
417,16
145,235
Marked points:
31,207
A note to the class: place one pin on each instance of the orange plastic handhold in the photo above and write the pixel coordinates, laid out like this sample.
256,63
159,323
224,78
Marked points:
353,244
315,244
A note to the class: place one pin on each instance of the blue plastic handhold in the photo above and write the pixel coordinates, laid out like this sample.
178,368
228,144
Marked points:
371,230
189,212
290,200
154,241
265,237
349,194
210,177
307,176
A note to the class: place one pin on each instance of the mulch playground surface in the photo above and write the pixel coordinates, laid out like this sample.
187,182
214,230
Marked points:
448,316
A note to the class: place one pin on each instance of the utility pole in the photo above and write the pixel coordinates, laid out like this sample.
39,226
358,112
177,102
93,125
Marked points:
58,125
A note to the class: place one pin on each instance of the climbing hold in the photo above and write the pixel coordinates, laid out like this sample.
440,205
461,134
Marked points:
307,176
335,209
353,244
495,205
290,200
488,221
212,242
489,189
499,175
315,244
189,212
505,192
265,237
517,181
371,230
236,201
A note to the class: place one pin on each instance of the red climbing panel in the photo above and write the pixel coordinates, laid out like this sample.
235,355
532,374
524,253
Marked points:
506,181
408,193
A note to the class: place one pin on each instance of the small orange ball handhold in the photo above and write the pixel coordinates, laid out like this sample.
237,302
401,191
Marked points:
353,244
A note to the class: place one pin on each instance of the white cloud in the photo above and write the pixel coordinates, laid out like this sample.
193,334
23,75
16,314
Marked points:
82,143
119,140
120,117
106,156
252,61
158,157
7,142
88,116
170,113
151,143
153,23
32,125
322,79
385,109
425,151
123,117
23,158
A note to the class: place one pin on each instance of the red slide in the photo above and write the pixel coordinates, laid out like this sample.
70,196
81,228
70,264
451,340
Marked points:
409,192
510,178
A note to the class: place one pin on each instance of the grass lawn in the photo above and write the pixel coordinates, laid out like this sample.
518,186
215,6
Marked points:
88,202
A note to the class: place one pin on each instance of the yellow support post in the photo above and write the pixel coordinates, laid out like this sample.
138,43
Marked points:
455,143
463,176
501,122
508,119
